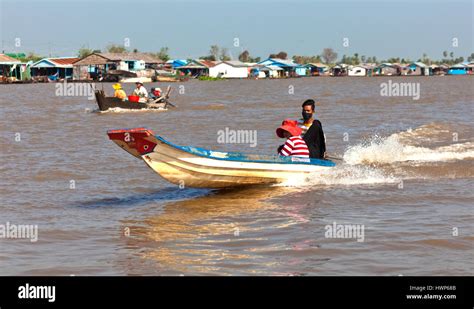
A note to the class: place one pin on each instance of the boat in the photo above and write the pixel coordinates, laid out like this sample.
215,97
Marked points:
169,79
106,103
201,168
133,80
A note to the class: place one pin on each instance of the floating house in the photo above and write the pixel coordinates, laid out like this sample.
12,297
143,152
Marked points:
436,69
268,71
360,70
458,69
387,69
197,68
464,68
12,69
230,69
416,69
96,65
289,67
316,69
470,67
54,68
339,70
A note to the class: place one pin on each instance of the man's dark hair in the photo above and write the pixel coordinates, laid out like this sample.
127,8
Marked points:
309,102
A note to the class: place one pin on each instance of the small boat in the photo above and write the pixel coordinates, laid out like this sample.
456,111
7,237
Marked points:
196,167
133,80
105,102
171,79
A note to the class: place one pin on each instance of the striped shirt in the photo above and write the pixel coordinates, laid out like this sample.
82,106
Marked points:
295,146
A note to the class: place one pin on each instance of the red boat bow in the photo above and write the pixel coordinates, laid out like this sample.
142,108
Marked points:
137,141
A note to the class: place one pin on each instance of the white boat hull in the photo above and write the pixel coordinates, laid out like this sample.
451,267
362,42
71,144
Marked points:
194,167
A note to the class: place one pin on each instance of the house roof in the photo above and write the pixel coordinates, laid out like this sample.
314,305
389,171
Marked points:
284,62
198,64
131,56
271,67
235,63
364,66
207,63
459,65
420,64
4,59
66,62
318,65
183,61
115,57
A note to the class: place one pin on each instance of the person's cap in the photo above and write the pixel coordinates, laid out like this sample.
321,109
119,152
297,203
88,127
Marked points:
290,126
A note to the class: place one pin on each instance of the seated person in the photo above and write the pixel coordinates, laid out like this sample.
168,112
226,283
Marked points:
155,93
141,92
119,93
294,145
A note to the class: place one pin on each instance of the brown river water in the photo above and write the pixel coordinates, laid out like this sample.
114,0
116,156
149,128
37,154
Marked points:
407,178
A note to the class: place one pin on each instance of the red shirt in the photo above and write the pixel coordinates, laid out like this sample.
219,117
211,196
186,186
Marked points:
295,146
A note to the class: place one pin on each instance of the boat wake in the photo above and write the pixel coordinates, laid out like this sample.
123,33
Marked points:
391,159
124,110
379,150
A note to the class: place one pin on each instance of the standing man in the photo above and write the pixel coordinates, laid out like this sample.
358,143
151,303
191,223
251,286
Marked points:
312,131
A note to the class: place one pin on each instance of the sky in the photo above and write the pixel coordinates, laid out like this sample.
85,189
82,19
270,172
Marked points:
383,28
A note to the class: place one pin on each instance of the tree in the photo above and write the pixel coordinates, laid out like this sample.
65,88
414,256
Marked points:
363,58
214,52
355,59
471,57
31,56
281,55
84,52
344,59
114,48
244,56
163,54
445,54
306,59
329,55
451,54
224,54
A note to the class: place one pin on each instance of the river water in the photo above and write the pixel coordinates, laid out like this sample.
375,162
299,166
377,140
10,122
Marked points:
407,179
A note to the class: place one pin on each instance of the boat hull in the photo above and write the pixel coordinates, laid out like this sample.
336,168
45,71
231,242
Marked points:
195,167
106,103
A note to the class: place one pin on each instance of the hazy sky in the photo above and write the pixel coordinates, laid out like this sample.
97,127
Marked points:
188,28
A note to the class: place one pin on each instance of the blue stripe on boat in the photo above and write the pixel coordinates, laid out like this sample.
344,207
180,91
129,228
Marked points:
241,157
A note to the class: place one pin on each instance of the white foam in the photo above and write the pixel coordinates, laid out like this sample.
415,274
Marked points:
343,174
125,110
362,162
390,150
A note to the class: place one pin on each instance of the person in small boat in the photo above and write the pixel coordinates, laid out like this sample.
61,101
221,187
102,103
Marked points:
141,92
155,93
119,93
312,131
294,145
